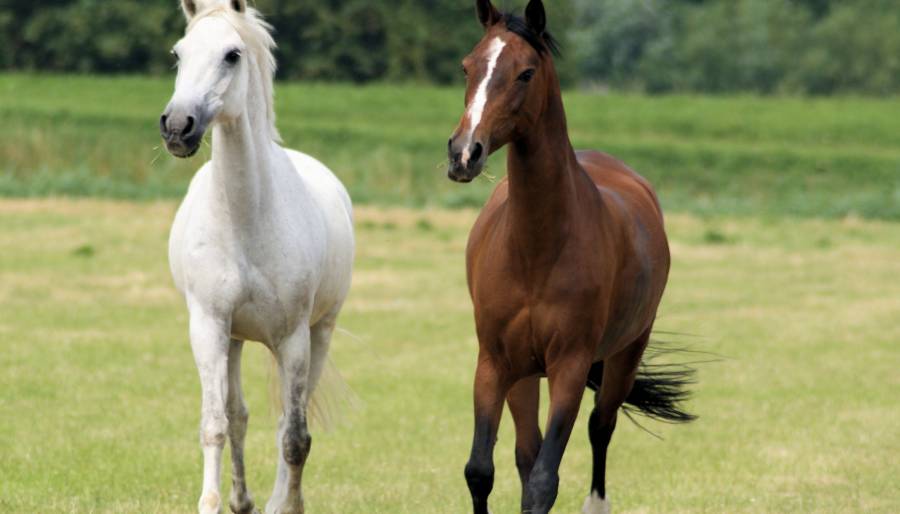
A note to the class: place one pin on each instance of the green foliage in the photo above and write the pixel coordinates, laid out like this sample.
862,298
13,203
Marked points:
712,46
329,40
613,35
854,50
337,40
85,136
762,46
90,35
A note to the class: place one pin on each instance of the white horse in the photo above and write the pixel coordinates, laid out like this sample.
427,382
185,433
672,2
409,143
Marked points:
261,248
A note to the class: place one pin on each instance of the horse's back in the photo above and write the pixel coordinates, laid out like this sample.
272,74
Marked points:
326,187
612,176
631,203
631,200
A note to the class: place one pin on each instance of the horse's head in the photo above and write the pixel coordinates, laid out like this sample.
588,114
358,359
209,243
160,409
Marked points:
508,76
214,64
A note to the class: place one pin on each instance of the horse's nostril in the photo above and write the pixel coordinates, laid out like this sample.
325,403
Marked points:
162,124
189,127
450,144
476,153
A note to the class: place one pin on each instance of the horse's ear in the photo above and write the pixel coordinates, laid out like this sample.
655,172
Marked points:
239,5
488,15
190,8
536,16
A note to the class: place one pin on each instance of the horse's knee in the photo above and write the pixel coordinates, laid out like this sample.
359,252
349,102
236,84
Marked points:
296,444
542,490
213,430
480,477
238,416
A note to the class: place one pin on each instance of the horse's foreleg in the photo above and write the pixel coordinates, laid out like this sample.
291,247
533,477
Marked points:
210,343
490,390
524,401
619,372
294,439
568,379
241,500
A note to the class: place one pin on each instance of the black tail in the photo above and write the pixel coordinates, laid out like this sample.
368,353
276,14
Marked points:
659,392
659,389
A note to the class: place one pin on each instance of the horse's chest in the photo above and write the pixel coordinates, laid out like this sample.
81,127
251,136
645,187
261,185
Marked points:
261,313
240,284
518,313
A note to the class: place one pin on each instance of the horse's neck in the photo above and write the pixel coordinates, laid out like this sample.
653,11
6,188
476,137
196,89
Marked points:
243,157
542,170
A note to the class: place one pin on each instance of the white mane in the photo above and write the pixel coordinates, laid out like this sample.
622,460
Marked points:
256,34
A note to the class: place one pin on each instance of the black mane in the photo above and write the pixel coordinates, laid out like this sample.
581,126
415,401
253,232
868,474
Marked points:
540,42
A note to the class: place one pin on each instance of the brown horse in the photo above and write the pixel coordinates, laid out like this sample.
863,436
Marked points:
566,265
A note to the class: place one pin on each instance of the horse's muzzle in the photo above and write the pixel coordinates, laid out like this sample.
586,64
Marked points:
182,133
465,164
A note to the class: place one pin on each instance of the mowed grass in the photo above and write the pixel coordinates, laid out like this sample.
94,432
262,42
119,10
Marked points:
99,398
87,136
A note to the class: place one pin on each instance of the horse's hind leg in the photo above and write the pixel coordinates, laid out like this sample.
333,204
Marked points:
524,401
619,372
294,441
568,378
241,501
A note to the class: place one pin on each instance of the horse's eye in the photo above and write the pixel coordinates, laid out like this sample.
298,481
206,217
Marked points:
233,57
526,76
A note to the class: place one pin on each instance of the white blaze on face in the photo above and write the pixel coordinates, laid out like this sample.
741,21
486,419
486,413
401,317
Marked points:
476,109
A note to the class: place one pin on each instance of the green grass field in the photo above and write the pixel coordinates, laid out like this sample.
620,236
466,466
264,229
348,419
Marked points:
831,157
785,263
99,398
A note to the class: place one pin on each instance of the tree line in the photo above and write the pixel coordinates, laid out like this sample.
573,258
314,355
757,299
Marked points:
709,46
763,46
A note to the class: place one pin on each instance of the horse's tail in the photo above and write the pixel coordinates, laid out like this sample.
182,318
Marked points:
659,391
331,400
